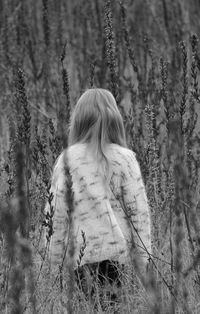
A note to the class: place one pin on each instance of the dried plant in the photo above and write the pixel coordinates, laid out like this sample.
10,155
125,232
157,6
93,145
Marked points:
65,110
23,139
142,53
110,48
185,86
82,249
54,143
46,27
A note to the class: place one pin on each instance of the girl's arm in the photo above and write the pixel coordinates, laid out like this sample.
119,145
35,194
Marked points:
136,204
60,217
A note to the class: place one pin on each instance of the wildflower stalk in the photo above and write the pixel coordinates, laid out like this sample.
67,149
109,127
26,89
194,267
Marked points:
46,28
151,83
195,54
69,249
48,222
10,173
153,175
21,195
195,91
82,249
127,39
185,85
40,158
53,141
182,109
189,135
181,185
46,64
70,245
92,71
23,137
164,94
65,111
129,48
110,49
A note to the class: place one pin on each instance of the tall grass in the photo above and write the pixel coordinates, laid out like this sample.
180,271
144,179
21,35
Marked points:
142,53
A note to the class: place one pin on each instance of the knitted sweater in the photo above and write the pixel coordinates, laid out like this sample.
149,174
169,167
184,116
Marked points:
102,213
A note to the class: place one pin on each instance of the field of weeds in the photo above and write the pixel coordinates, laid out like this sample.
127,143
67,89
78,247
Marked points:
147,54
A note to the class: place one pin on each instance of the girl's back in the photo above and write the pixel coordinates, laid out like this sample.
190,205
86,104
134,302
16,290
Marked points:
103,208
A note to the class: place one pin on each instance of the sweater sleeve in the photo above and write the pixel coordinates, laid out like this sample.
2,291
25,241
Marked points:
60,216
136,204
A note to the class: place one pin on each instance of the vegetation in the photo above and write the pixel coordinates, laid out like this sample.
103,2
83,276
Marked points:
147,54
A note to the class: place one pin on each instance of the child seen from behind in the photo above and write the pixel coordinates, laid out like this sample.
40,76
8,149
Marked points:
110,206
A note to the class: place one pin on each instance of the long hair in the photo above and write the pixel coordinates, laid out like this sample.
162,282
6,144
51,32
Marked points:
96,120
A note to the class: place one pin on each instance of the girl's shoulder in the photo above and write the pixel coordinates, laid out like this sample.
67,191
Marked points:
76,149
113,150
119,152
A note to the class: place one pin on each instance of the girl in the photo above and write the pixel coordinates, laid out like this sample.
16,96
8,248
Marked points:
110,207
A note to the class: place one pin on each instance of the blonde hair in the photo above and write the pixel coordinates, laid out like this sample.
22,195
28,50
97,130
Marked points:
96,120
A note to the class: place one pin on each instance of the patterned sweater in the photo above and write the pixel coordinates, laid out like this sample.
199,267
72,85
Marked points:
102,213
